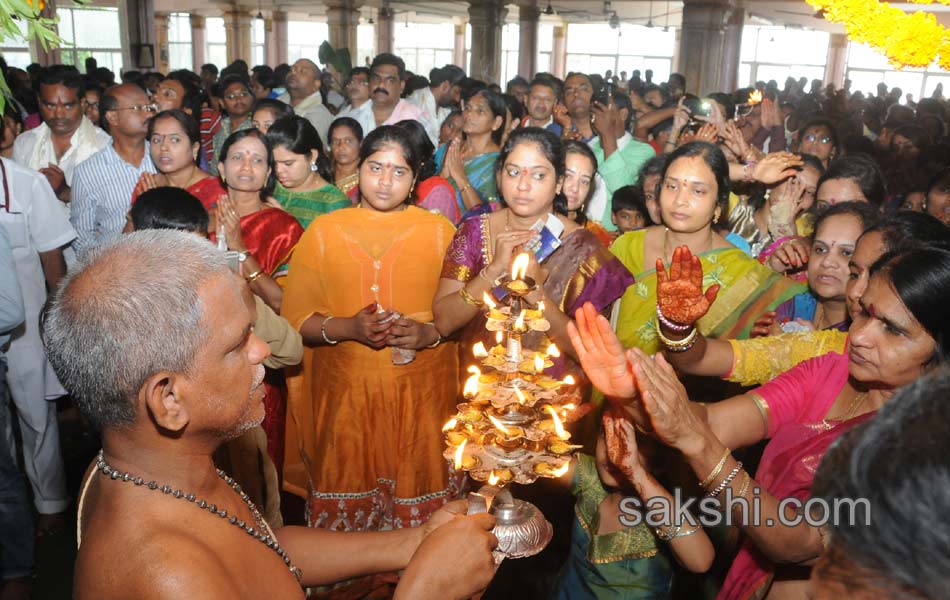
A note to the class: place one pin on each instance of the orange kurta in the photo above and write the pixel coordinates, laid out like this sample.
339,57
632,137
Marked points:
364,441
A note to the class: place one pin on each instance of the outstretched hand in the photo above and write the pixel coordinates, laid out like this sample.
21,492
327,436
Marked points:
679,294
664,400
600,353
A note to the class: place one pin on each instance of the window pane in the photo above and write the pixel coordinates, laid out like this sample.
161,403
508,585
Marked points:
931,85
745,74
179,56
545,37
662,67
214,31
304,39
17,58
788,46
646,41
65,26
544,63
424,35
861,56
217,54
179,28
591,38
908,82
366,44
96,27
749,37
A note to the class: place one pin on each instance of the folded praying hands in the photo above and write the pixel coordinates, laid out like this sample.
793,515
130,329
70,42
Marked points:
648,384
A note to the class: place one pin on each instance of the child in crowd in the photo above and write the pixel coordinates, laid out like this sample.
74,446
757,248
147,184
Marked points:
610,556
629,209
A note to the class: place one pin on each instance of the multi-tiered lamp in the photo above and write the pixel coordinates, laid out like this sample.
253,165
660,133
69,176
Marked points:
511,426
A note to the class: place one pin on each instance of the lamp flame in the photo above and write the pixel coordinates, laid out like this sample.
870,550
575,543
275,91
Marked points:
450,424
521,398
569,407
519,322
755,97
541,306
458,455
558,427
471,384
499,336
568,380
498,424
538,363
519,267
487,299
493,479
553,351
562,469
479,350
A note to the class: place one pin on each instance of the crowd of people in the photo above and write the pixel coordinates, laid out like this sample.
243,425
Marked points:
263,280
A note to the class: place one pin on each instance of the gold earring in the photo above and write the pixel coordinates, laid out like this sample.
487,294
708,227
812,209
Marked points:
718,214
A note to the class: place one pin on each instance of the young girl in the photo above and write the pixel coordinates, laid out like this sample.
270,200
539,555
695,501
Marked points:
823,306
608,559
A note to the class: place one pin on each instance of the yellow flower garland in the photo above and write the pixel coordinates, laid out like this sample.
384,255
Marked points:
908,40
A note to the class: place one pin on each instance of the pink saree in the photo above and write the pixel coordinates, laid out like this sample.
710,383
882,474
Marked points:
798,401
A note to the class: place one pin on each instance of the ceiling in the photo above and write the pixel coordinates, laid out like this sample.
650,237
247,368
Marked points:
661,12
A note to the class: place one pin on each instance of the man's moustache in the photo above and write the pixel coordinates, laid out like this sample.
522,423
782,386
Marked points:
381,90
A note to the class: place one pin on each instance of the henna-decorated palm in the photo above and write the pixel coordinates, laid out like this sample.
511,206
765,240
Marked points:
621,442
679,294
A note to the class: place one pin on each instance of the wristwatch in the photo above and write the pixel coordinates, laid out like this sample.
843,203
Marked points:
243,256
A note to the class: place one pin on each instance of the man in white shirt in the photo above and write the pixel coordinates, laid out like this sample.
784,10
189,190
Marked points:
66,138
38,232
443,93
357,91
303,93
387,81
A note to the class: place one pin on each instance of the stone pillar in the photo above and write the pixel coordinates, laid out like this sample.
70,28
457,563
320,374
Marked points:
280,34
837,64
385,34
161,42
709,35
199,39
237,27
458,52
559,51
528,17
343,18
487,19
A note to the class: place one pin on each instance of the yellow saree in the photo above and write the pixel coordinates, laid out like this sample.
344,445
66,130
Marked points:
747,290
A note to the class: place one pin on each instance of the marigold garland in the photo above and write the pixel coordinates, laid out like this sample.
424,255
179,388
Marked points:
907,40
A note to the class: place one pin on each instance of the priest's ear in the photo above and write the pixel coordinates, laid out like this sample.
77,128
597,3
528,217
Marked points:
161,396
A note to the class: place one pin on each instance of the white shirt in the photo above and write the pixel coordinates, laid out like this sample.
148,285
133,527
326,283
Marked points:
35,223
403,110
31,149
425,99
312,109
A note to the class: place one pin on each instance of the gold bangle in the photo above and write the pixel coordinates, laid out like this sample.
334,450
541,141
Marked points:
438,338
717,470
464,189
746,480
678,345
469,299
255,276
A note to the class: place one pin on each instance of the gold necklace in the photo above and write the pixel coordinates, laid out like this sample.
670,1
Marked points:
856,403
